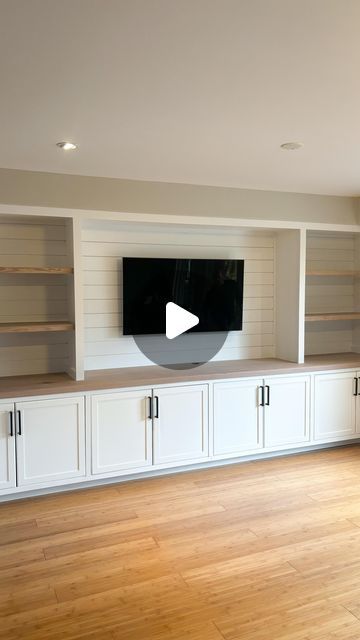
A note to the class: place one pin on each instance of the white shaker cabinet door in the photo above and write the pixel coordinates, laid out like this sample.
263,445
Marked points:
287,411
50,440
238,416
335,405
121,431
181,429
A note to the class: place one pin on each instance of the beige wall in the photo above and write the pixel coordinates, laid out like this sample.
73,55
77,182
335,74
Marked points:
82,192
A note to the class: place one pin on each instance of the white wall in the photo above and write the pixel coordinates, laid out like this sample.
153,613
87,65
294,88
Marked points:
109,194
103,246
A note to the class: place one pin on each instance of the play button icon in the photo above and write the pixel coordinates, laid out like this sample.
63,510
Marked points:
178,320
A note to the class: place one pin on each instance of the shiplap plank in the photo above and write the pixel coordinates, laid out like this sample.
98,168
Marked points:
103,320
31,232
33,352
126,345
136,360
32,248
324,265
30,280
115,332
105,292
330,242
112,278
32,292
187,239
114,305
100,263
330,254
117,249
321,290
32,366
22,308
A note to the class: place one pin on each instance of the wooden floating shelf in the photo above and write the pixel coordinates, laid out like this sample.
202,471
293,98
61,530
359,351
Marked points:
35,327
315,272
325,317
38,270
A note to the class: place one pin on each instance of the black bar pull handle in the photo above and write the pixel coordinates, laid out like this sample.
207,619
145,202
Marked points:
356,386
19,423
262,396
150,416
156,398
11,421
267,395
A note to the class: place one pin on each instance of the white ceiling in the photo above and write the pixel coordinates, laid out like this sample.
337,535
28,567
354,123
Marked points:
194,91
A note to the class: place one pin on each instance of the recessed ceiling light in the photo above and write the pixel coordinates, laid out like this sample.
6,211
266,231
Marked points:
67,146
292,146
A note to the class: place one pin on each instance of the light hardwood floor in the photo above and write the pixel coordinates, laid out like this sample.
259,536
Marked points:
266,550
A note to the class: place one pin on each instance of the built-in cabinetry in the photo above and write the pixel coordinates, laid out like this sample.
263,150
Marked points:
135,429
257,413
46,442
42,442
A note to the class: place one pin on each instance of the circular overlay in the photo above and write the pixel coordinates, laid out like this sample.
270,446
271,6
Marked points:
189,350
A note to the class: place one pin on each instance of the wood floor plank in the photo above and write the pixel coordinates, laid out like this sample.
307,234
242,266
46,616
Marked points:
259,551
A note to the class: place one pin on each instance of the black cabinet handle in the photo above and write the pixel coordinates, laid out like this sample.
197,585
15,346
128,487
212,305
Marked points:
267,395
19,422
11,420
156,398
356,386
150,416
262,396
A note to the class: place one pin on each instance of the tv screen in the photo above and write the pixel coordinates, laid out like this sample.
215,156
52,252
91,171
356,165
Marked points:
210,289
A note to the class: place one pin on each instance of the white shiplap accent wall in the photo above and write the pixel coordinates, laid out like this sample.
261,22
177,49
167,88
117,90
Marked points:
104,245
32,298
331,293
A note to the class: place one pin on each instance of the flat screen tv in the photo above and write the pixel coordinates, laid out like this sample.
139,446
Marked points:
210,289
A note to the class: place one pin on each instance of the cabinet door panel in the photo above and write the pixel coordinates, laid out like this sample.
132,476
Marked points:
181,430
238,417
121,431
287,414
51,446
7,449
334,405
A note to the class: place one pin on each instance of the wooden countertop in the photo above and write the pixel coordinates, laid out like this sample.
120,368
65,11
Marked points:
54,383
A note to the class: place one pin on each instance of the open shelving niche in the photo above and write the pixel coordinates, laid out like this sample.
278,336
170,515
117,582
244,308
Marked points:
37,305
332,317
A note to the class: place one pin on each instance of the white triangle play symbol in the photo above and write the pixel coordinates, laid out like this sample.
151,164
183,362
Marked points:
178,320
